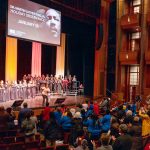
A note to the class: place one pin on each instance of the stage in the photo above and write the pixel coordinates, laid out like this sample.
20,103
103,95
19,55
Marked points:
36,102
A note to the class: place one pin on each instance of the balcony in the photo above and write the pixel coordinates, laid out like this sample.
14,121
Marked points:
129,57
148,18
147,57
130,22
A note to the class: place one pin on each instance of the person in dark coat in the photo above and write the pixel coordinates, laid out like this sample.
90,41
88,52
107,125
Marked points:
124,141
52,131
3,118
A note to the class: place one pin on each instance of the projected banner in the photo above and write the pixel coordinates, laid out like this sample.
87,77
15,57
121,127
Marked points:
32,21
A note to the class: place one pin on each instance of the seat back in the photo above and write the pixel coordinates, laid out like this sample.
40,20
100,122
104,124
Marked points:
62,147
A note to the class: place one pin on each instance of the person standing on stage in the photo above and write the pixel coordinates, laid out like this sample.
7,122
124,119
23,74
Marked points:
45,91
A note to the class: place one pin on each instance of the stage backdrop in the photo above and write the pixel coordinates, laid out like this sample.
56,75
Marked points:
11,59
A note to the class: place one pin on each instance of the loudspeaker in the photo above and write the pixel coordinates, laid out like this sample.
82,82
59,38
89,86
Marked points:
17,103
60,100
100,36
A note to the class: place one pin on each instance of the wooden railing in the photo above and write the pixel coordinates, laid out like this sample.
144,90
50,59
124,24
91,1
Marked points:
129,57
147,57
130,21
148,18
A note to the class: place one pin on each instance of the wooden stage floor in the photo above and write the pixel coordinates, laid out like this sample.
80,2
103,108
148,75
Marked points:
37,101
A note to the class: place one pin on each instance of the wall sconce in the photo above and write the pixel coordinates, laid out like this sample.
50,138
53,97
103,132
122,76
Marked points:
128,18
127,56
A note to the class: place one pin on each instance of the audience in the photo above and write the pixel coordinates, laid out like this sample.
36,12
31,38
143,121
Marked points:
121,128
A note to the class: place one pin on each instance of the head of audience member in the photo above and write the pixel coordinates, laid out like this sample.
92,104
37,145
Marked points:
69,114
53,21
136,120
84,144
123,128
72,110
77,115
79,105
105,139
25,105
129,113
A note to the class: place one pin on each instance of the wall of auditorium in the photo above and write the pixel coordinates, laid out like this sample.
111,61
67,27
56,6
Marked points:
100,70
132,51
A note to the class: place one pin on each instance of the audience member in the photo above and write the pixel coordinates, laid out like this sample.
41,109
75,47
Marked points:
23,112
105,140
28,127
124,141
4,117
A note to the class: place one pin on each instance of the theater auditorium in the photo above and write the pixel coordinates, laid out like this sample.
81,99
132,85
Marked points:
74,74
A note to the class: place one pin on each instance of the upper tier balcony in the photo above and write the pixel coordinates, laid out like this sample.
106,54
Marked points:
148,18
129,57
130,22
147,56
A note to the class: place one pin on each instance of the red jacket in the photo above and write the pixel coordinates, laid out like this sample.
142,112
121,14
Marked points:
96,109
46,113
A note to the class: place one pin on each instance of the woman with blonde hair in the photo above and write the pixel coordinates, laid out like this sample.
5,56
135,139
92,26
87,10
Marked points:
145,124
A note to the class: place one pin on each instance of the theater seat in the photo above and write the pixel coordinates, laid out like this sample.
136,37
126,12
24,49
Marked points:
62,147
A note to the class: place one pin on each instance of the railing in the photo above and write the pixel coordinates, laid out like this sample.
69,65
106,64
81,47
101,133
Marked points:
129,57
130,21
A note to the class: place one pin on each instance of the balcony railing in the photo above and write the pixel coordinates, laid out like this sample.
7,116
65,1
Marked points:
129,57
148,18
130,22
147,57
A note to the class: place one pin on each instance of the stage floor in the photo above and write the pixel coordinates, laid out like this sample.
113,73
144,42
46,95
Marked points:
37,101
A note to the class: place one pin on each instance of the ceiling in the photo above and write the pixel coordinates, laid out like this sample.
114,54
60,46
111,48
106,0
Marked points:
82,10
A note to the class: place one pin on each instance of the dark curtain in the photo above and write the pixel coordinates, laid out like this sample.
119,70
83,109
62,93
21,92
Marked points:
48,59
2,54
24,58
111,59
80,46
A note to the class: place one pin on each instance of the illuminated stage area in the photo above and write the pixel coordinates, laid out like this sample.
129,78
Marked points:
53,101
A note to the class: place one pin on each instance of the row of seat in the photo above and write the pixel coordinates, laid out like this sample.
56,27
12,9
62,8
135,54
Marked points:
32,146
